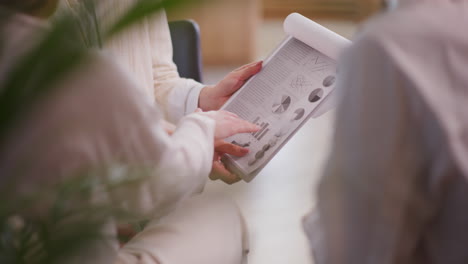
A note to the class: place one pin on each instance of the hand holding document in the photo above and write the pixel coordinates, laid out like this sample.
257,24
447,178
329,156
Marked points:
228,124
294,81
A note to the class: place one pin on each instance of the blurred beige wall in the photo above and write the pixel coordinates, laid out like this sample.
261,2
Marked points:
355,10
229,28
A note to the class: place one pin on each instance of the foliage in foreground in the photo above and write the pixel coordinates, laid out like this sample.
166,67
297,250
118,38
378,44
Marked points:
67,226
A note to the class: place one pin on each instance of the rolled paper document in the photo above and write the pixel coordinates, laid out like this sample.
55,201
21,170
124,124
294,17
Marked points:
315,35
295,82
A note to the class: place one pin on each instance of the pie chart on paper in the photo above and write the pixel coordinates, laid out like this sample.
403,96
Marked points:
316,95
282,105
298,114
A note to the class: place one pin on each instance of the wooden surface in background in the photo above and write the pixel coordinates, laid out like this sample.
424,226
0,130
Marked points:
228,29
335,9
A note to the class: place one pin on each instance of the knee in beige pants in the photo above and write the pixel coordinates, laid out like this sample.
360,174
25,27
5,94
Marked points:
202,230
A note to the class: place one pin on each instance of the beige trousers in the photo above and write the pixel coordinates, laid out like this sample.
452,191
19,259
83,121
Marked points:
206,229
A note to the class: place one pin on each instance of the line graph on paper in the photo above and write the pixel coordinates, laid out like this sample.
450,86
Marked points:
318,62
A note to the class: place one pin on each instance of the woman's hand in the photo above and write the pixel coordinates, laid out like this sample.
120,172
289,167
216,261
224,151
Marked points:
219,171
228,124
214,96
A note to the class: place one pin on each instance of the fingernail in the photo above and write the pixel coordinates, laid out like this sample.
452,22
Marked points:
245,150
255,64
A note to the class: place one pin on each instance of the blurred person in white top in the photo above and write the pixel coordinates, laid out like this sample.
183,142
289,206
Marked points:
145,51
395,189
96,119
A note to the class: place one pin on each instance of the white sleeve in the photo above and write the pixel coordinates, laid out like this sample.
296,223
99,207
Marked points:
178,165
97,122
120,128
145,50
177,96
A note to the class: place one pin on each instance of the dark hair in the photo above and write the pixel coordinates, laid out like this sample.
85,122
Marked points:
23,5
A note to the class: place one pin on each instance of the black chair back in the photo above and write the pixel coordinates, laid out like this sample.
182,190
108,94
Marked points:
185,36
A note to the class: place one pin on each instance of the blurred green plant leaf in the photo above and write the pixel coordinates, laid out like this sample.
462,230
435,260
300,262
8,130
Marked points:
67,227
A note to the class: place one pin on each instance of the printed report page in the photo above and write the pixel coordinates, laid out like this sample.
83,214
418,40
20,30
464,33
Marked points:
279,99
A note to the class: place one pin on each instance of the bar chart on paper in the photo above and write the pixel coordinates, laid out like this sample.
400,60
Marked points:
263,130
